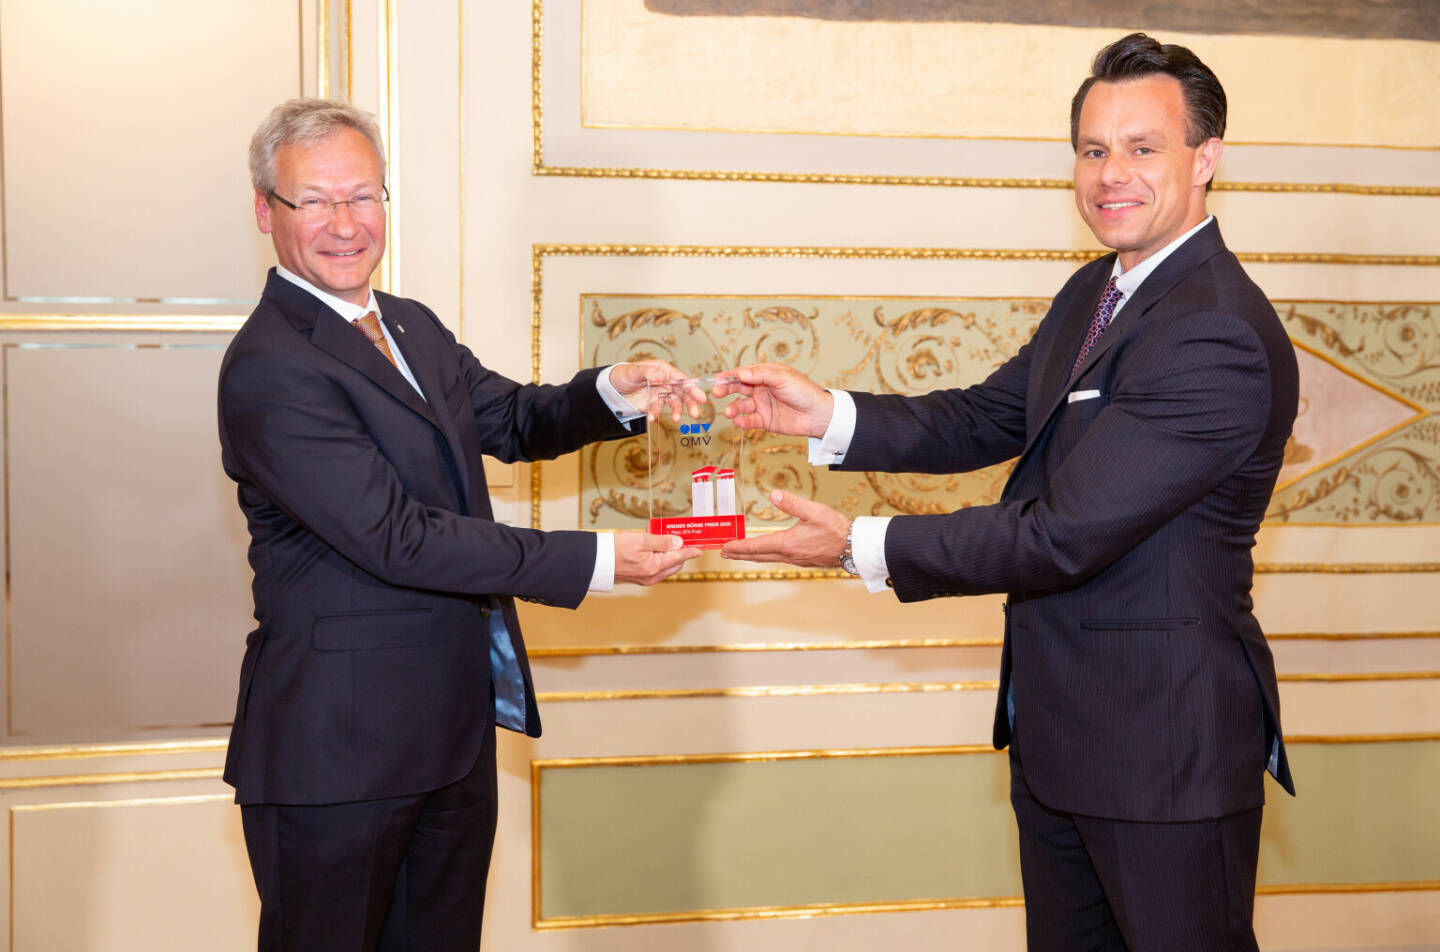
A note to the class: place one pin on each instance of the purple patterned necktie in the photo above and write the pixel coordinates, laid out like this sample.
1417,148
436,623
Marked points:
1104,311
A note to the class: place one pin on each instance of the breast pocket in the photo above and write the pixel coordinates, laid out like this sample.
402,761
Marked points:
365,631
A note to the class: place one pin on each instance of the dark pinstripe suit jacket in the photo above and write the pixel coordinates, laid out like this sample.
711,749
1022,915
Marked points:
377,560
1143,686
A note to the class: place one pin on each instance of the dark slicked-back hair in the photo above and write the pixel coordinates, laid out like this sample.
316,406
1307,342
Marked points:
1137,56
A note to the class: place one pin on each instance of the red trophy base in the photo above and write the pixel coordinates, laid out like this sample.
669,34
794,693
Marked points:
707,532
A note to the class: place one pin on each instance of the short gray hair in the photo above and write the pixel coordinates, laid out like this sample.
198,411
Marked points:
303,121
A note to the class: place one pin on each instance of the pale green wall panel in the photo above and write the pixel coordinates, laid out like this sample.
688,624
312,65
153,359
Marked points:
651,839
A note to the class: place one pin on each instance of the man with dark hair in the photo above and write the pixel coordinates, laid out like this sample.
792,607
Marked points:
1149,414
387,648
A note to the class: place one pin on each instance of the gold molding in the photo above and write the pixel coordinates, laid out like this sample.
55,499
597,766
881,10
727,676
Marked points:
590,651
907,687
776,690
227,323
347,30
955,181
1351,636
133,776
903,687
388,115
539,168
812,910
541,251
1348,676
322,70
578,651
808,911
137,749
1352,568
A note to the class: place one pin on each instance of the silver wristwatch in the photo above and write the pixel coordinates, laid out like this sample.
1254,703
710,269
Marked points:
847,557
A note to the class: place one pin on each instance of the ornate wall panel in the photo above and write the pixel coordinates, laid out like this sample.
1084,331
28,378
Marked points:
1366,449
1363,454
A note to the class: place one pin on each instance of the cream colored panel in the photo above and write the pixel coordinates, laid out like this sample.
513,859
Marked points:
800,74
163,874
128,581
427,187
572,145
125,133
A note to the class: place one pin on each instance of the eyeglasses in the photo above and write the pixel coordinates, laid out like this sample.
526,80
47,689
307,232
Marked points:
315,210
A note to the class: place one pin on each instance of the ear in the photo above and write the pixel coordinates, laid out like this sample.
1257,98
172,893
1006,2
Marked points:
262,213
1207,158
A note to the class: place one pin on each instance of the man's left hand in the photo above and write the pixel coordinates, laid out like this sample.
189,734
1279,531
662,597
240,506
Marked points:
652,386
817,540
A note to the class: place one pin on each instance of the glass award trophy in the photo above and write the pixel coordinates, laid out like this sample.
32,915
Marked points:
695,469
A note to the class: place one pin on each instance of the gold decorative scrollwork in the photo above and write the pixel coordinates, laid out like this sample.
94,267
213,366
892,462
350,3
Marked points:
1395,478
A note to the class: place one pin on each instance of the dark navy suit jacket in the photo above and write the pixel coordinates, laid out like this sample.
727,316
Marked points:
1143,687
376,556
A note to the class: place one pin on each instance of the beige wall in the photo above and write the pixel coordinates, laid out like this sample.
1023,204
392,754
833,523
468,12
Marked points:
127,597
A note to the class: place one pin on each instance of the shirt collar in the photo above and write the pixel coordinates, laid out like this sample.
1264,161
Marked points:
1128,282
350,312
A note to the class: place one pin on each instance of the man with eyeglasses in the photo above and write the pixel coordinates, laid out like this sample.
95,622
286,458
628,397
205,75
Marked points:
387,646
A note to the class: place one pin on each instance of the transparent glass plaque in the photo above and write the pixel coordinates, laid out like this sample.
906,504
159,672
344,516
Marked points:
695,480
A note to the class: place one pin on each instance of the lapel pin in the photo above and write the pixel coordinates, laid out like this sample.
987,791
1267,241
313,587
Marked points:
400,327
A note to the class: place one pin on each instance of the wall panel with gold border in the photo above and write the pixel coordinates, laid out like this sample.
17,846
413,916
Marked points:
109,842
109,129
783,111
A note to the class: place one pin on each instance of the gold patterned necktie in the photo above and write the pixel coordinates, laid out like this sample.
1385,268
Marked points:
369,324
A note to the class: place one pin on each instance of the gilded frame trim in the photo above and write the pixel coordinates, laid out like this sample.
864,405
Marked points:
539,167
811,910
541,251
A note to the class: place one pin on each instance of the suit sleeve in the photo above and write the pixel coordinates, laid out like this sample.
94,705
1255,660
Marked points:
524,422
294,436
1190,402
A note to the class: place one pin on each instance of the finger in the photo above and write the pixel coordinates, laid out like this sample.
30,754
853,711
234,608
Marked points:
666,564
794,505
766,548
659,543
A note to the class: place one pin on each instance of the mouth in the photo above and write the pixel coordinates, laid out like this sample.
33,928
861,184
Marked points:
340,254
1116,206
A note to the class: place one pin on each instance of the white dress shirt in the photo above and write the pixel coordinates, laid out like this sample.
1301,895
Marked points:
867,540
602,579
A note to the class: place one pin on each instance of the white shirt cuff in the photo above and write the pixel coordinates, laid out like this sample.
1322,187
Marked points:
867,545
623,409
832,447
603,578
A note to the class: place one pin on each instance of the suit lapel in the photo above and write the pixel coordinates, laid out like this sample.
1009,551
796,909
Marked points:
1204,245
424,363
1055,373
332,334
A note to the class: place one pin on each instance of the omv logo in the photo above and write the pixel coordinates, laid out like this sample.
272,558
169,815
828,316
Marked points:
694,434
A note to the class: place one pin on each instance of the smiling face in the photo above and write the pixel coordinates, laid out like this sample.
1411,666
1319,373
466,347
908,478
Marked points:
1137,184
339,255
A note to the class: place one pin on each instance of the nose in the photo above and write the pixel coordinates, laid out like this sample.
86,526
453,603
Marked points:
1115,168
343,221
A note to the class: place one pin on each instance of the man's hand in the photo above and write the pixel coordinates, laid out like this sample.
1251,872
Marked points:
646,559
652,386
776,398
816,541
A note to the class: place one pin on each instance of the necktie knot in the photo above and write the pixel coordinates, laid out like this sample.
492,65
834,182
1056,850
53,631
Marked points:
1104,311
369,325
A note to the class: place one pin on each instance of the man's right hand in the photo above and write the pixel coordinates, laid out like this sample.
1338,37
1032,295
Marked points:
776,398
646,559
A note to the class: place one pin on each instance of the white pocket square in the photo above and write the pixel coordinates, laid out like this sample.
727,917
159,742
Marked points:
1077,395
